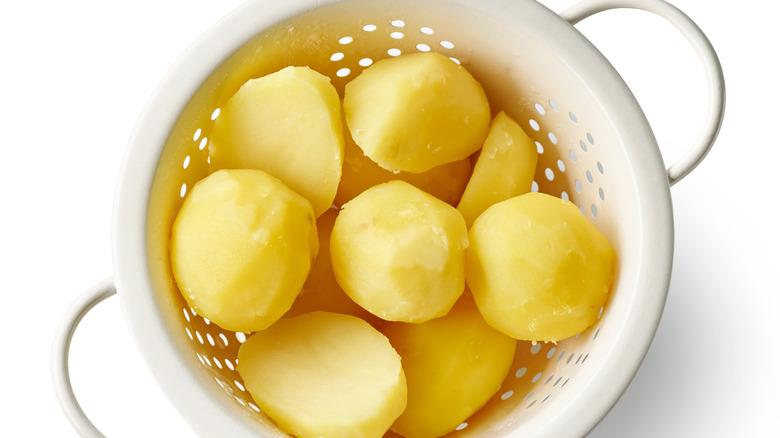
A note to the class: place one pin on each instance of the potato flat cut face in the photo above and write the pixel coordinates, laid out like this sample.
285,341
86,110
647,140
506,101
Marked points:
400,253
321,291
323,374
537,268
360,173
415,112
453,365
288,124
505,168
241,247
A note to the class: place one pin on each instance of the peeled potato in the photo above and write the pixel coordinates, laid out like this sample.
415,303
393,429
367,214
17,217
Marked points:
537,268
415,112
241,247
288,124
324,375
453,365
399,252
505,168
321,291
359,173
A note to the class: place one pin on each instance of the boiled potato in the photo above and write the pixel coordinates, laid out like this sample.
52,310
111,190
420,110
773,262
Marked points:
417,111
505,168
324,375
359,173
321,291
241,247
453,365
400,252
537,268
288,124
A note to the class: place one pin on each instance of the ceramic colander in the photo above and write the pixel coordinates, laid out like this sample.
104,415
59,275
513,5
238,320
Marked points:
595,148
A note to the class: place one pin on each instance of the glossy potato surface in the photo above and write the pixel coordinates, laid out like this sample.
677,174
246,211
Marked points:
360,173
537,268
417,111
505,168
453,365
321,291
324,375
400,253
288,124
241,247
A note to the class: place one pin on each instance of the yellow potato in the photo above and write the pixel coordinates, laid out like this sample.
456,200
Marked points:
321,291
241,247
505,168
415,112
537,268
288,124
359,173
400,253
453,365
324,375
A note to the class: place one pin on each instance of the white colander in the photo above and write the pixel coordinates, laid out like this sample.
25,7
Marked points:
595,148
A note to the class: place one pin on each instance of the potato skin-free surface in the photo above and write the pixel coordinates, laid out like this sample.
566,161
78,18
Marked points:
505,168
360,173
241,247
453,365
400,253
288,124
321,291
417,111
537,268
324,375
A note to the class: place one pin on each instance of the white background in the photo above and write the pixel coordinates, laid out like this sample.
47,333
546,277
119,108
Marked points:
75,75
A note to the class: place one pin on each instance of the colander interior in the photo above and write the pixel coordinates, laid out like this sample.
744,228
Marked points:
594,149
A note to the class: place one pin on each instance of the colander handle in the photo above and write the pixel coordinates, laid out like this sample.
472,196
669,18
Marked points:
715,83
60,352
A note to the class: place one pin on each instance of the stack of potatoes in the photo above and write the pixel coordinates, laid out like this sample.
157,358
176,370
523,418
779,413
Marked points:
374,267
